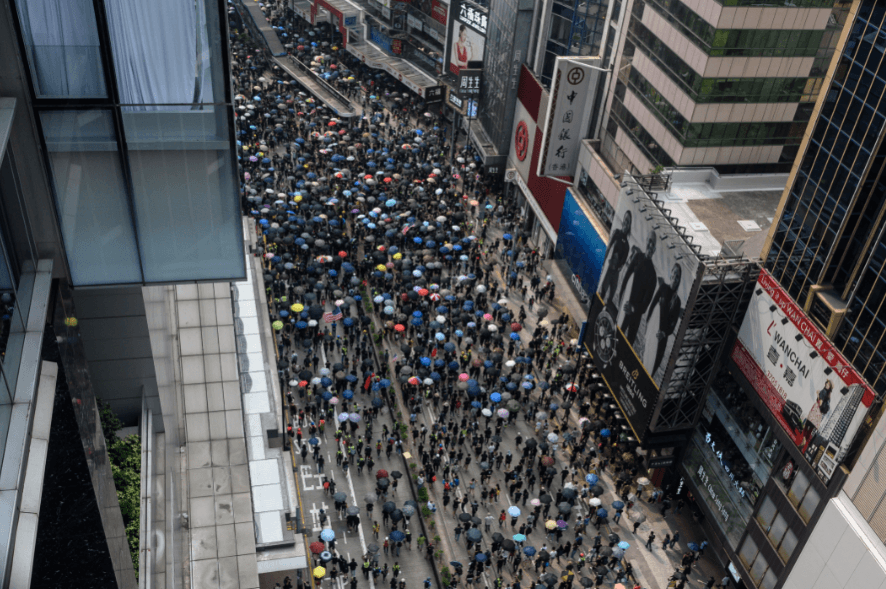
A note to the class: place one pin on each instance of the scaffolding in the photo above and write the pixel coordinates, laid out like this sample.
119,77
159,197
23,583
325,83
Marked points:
721,300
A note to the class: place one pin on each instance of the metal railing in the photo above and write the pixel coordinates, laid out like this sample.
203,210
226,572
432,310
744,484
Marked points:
326,85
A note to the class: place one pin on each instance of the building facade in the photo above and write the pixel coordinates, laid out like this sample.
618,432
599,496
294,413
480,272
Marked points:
717,84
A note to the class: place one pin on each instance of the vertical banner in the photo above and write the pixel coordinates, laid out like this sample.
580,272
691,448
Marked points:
573,85
469,82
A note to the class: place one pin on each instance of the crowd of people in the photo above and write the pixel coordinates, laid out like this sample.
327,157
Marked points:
399,281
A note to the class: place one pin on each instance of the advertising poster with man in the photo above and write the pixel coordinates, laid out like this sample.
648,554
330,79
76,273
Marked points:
809,387
646,280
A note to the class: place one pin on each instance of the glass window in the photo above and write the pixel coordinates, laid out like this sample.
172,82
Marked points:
758,569
809,504
162,53
777,529
769,580
766,513
187,217
788,544
748,552
61,39
91,196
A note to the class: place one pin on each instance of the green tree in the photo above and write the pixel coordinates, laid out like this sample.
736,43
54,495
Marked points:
125,455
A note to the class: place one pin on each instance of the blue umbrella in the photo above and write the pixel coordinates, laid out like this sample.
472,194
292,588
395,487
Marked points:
480,557
476,404
348,394
352,378
605,433
376,402
618,505
313,441
385,383
602,512
624,545
515,336
397,536
514,511
327,535
495,397
529,551
592,479
519,538
693,546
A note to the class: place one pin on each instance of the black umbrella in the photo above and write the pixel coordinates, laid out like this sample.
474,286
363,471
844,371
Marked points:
586,582
396,474
613,537
605,551
396,515
546,499
474,535
601,570
372,548
464,517
508,545
388,507
597,490
353,511
548,579
569,493
564,507
497,537
544,555
476,520
382,483
340,497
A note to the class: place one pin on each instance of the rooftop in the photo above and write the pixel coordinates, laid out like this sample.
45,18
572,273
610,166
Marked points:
725,212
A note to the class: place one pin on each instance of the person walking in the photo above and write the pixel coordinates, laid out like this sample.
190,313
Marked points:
650,540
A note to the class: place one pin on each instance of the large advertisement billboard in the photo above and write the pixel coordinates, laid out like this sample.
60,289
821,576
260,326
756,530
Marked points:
467,37
811,390
647,278
579,243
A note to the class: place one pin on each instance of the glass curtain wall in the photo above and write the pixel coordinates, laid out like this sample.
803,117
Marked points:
141,149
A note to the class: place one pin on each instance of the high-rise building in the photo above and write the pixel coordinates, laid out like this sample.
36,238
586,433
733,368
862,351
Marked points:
120,238
796,415
730,85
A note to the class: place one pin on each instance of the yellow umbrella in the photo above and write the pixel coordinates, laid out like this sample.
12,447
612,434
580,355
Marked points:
381,268
319,572
551,524
297,307
297,198
398,255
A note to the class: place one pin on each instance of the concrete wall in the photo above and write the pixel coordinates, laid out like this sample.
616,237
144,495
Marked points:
118,348
842,551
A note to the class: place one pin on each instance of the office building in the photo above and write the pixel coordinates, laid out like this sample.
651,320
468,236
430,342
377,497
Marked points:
121,239
785,467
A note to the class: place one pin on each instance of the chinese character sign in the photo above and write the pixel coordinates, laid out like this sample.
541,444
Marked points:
572,89
469,82
467,36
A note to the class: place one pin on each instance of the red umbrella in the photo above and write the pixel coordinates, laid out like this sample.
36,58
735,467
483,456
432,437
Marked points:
317,547
404,296
422,292
388,179
330,124
516,327
342,254
381,474
399,327
547,461
303,383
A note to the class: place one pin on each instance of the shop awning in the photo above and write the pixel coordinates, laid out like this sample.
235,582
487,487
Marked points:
412,76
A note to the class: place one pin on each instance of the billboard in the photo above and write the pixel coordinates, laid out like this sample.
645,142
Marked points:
469,82
812,391
468,34
574,84
646,280
581,246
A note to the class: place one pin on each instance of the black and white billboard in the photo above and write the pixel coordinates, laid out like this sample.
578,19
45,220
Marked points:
647,278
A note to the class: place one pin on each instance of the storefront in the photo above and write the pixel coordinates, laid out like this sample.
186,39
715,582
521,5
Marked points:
581,247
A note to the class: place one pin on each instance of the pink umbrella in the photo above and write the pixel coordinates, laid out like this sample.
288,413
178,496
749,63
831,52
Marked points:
463,376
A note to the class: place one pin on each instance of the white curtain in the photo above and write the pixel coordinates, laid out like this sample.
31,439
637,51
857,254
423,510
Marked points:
160,51
63,48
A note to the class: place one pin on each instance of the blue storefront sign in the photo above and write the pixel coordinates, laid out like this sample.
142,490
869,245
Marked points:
380,39
581,247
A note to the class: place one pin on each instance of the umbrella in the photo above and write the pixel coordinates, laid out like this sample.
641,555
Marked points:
373,548
370,498
618,505
381,473
340,497
613,537
319,572
592,479
388,507
602,512
586,582
643,481
636,516
317,547
546,499
327,535
544,555
605,551
519,538
529,551
596,502
548,579
464,517
624,545
508,545
480,557
693,546
564,507
497,537
514,511
474,535
551,524
397,536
